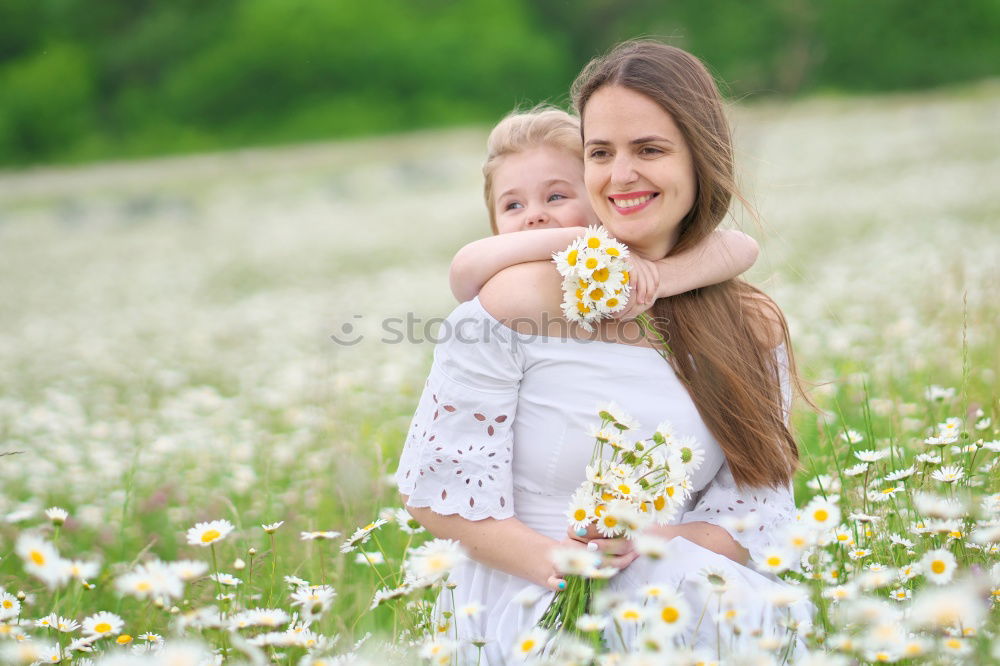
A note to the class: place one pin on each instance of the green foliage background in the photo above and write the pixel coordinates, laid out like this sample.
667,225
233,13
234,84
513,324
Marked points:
82,80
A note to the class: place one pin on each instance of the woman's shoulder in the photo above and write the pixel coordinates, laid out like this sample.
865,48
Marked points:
525,297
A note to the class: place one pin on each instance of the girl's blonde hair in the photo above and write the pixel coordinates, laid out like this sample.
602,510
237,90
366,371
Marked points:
544,125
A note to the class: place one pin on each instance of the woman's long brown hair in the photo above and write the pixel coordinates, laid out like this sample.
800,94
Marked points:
722,337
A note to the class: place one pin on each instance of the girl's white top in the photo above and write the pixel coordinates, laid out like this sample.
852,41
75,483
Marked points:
501,431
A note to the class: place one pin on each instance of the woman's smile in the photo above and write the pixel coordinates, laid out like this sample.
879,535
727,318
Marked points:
632,202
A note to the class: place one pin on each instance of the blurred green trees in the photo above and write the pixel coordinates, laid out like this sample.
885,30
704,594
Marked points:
86,80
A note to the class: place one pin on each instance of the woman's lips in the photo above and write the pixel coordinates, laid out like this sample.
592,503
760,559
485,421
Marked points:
633,202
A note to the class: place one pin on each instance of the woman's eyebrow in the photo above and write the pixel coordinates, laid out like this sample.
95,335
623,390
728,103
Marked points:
642,139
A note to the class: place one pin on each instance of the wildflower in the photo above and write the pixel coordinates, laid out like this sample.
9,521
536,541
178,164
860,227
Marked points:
225,579
821,514
852,436
374,557
591,623
42,560
628,613
948,474
314,600
617,416
574,561
717,579
939,393
673,613
581,509
938,566
361,535
775,560
188,570
899,540
438,650
928,458
901,594
871,455
56,515
435,559
858,553
651,546
10,606
205,534
955,647
271,528
83,570
319,536
824,482
856,470
406,522
102,624
901,474
531,642
154,580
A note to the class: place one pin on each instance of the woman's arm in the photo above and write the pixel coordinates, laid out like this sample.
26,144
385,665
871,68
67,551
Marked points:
725,254
508,545
480,260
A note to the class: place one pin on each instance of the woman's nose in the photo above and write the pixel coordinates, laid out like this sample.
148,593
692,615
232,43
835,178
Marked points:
622,170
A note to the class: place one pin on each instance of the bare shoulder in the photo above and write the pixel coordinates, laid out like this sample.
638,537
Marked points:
765,317
524,296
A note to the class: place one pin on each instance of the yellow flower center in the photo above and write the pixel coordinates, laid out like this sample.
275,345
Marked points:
102,628
670,614
593,243
591,263
600,275
625,490
630,614
624,277
670,491
937,566
953,643
613,251
37,558
571,257
773,561
528,645
610,521
579,514
210,536
612,302
597,294
821,515
7,603
659,502
123,639
598,510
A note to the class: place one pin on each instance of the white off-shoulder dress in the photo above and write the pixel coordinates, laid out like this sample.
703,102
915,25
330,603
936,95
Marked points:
501,431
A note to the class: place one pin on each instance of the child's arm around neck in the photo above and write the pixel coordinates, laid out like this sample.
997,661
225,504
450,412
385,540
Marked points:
480,260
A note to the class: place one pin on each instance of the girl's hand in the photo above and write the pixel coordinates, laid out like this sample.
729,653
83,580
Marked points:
644,282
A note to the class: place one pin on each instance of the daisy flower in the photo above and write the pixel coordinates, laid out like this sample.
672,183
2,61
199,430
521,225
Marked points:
825,483
205,534
271,528
938,566
628,613
856,470
531,642
871,455
852,436
574,561
435,559
900,474
102,624
948,474
775,560
591,623
188,570
821,514
319,536
10,606
651,546
672,612
361,535
858,553
225,579
581,509
374,557
901,594
56,515
42,560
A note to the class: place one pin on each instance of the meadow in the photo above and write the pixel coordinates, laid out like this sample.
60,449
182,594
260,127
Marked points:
169,357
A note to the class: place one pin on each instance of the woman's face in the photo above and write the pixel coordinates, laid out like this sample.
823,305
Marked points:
637,168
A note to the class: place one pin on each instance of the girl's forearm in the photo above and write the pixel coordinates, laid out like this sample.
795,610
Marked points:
725,254
508,545
480,260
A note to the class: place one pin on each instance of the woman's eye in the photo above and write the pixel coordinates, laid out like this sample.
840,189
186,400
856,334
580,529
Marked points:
513,205
650,150
598,154
557,197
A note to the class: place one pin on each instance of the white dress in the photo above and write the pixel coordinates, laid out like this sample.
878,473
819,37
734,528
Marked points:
501,431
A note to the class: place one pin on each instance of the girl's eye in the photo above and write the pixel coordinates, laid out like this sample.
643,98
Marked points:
513,205
557,197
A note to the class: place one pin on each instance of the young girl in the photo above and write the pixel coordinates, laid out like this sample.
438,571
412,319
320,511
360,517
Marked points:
533,181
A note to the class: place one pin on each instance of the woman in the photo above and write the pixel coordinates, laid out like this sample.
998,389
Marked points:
498,443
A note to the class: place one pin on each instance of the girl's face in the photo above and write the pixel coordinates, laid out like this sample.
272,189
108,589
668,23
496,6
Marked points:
638,169
540,188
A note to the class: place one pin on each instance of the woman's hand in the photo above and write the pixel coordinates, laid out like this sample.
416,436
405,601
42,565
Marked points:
618,552
644,282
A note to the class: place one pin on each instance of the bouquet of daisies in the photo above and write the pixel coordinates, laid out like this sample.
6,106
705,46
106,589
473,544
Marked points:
595,277
630,486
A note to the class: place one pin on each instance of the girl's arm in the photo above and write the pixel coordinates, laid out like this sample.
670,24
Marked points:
723,255
480,260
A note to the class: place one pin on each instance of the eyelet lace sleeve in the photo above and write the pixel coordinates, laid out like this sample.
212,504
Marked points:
457,456
755,517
